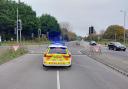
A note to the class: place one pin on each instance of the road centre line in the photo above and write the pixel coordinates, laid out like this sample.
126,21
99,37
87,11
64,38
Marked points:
58,80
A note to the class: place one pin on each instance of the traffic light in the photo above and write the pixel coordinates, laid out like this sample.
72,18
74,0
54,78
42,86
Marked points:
91,30
19,24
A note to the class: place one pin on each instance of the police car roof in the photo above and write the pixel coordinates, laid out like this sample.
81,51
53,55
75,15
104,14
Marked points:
54,45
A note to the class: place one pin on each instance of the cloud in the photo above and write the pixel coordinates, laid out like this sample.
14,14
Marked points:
82,13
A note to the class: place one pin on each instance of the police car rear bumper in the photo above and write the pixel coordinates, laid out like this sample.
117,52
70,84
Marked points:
57,63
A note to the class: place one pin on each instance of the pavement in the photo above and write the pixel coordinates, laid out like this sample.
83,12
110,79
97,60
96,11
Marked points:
26,72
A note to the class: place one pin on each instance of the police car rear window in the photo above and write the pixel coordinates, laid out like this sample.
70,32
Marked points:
57,50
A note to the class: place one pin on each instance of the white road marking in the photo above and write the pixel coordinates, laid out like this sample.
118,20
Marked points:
58,80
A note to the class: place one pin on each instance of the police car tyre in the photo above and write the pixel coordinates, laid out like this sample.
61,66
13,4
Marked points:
70,66
45,68
43,65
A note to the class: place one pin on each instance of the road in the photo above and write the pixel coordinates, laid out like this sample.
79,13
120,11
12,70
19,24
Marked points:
115,59
26,72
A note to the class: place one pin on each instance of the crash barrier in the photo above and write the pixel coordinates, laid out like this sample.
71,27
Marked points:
92,50
95,50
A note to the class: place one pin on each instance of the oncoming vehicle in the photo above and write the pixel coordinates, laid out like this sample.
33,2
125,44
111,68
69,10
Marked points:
57,55
116,46
93,43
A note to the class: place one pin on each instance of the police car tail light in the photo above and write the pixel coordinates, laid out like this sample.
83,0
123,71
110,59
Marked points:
67,56
46,55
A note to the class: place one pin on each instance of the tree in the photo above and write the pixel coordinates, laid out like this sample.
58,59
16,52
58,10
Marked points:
8,12
29,21
6,22
114,30
49,25
126,34
66,32
102,32
2,1
71,36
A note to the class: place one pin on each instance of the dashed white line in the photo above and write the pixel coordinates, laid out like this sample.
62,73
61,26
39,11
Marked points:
58,80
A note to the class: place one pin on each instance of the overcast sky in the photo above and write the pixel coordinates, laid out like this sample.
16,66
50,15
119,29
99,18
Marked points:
83,13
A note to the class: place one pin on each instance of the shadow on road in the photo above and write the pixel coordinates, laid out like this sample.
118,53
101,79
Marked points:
56,68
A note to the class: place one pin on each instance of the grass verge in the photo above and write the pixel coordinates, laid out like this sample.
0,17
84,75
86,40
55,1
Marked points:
10,54
37,41
9,43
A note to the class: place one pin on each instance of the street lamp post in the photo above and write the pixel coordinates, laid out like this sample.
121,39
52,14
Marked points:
124,12
115,37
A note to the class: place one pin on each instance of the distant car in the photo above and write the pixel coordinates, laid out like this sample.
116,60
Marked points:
57,55
93,43
116,46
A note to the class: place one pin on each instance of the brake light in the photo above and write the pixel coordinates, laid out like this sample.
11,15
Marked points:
67,56
46,55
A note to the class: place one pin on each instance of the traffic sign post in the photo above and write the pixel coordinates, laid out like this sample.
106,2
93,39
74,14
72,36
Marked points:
0,39
39,33
19,28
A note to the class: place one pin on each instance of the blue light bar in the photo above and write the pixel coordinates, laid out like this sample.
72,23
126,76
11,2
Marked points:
58,43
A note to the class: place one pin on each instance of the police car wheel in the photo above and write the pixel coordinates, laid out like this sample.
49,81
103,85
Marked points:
45,68
70,66
43,65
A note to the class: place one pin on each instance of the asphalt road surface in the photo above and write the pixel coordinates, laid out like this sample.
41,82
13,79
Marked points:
116,59
26,72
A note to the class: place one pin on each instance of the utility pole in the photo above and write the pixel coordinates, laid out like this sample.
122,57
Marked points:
115,37
124,12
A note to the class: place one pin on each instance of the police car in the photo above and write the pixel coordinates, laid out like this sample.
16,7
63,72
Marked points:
57,55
